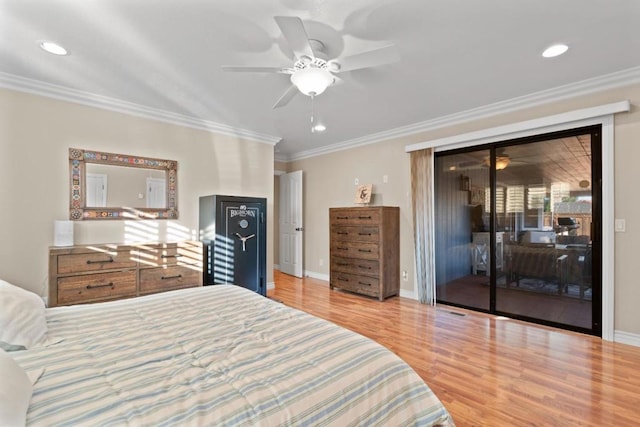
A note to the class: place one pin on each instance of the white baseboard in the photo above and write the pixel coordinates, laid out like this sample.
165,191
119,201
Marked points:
315,275
276,266
408,294
626,338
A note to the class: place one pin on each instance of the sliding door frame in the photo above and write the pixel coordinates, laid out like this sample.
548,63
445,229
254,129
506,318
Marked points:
603,115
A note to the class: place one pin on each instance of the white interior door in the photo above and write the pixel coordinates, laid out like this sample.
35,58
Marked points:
156,193
96,188
291,230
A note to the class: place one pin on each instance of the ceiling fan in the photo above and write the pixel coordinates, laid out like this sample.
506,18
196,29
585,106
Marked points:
313,72
502,161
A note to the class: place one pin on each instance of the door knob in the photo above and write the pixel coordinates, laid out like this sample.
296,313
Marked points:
299,229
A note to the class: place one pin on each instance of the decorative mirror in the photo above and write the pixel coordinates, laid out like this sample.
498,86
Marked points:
119,186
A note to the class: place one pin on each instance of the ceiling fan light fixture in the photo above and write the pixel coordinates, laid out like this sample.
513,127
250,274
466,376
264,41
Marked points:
502,162
312,80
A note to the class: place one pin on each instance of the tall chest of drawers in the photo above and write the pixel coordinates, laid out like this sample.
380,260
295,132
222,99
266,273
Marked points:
365,250
94,273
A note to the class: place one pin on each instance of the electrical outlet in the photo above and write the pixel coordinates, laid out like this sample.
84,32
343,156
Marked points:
405,275
385,179
320,262
356,181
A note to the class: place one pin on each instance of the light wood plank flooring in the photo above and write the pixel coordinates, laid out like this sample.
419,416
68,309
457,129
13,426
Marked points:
489,371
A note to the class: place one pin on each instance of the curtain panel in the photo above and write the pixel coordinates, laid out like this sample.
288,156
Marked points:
422,192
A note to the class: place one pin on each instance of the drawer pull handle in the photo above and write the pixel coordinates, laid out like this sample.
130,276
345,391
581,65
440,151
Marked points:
342,248
364,234
342,217
179,276
364,250
364,217
342,232
343,279
342,263
364,283
366,267
171,256
100,261
106,285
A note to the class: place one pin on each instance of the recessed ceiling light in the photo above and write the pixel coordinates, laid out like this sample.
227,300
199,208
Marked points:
319,128
555,50
52,47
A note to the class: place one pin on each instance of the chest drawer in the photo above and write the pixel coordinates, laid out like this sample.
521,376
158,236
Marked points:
99,286
355,233
356,266
360,250
352,282
169,278
95,261
361,216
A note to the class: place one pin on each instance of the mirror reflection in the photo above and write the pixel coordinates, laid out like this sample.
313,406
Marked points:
116,186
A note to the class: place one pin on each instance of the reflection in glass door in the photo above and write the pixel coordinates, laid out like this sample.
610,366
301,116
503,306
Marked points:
462,239
527,212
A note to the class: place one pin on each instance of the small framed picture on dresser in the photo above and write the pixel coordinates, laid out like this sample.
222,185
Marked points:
363,194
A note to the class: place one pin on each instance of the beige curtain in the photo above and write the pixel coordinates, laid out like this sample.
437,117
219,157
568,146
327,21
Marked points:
423,223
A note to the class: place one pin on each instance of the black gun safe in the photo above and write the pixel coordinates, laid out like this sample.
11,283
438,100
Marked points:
233,231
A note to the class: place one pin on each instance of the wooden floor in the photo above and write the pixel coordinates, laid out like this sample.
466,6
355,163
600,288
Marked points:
486,370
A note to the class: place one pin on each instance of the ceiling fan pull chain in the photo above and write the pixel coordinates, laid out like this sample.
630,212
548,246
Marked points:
312,113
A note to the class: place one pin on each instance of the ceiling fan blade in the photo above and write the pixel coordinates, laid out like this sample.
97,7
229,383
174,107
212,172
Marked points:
370,58
286,97
279,70
293,31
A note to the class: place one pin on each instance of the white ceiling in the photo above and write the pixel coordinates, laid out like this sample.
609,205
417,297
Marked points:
163,58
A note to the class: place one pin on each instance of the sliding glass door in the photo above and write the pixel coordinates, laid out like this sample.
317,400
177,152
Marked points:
462,239
518,229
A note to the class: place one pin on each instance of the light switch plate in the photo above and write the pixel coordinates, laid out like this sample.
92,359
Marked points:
620,225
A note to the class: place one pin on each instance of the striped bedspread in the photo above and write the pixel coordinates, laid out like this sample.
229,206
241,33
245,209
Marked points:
217,356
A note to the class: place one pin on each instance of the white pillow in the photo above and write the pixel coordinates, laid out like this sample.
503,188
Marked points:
15,392
22,317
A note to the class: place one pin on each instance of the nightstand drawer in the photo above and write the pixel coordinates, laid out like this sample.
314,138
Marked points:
93,287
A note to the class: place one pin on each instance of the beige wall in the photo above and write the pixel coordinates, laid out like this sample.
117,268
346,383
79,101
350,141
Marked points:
329,181
35,135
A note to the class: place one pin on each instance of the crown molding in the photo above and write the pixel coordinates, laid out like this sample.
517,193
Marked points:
36,87
584,87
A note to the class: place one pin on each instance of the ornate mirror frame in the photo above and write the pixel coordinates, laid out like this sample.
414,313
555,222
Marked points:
78,209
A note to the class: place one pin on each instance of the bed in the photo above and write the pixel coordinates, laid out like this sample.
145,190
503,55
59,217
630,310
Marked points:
215,355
